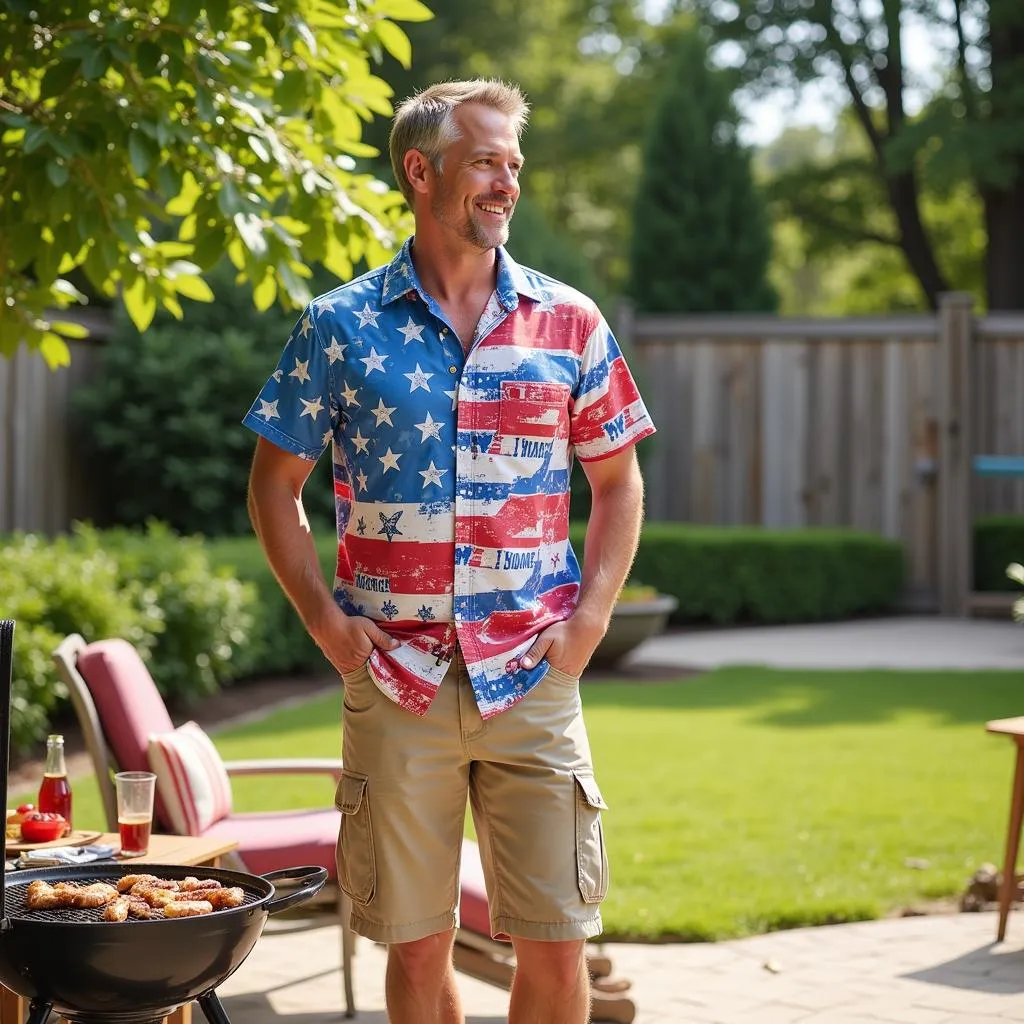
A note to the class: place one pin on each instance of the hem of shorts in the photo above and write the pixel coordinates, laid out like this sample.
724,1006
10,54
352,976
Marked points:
376,931
546,931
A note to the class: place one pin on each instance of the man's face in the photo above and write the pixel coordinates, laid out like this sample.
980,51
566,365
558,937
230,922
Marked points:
477,190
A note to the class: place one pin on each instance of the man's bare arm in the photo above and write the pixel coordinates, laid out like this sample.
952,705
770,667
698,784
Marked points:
613,532
279,519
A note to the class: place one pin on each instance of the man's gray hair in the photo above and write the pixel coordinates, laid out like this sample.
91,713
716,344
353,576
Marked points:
426,121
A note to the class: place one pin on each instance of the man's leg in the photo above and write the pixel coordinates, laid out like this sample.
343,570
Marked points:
420,982
551,984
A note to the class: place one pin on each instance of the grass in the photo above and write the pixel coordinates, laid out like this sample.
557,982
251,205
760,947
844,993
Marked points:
750,799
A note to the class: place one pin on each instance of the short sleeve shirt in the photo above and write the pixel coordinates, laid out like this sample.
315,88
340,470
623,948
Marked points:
451,471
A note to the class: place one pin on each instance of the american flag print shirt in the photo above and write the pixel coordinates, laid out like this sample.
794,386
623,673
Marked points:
451,472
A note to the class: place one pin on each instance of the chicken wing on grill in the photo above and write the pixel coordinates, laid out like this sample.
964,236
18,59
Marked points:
43,896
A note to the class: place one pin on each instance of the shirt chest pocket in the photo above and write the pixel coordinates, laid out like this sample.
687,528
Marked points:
532,416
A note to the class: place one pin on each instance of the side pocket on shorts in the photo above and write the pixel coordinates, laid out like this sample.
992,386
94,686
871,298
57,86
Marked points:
591,856
359,689
357,871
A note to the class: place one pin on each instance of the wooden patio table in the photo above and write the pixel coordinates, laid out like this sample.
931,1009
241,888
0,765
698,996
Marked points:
1014,728
163,849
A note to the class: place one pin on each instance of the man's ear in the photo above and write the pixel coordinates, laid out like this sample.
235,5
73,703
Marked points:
418,170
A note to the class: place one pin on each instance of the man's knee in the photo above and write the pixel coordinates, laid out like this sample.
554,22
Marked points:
423,960
558,964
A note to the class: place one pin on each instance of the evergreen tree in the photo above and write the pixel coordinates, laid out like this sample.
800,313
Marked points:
701,238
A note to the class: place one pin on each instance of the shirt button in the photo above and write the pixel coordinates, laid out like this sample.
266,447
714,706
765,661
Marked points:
453,369
444,332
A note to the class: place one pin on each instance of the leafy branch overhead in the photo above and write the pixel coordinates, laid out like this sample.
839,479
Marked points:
141,142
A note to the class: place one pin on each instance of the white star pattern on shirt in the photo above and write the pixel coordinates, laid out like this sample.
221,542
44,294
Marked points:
349,394
390,459
383,413
373,362
335,351
328,437
278,374
366,315
546,304
361,480
301,371
268,410
412,332
431,475
454,396
311,409
360,442
324,305
307,326
419,379
429,428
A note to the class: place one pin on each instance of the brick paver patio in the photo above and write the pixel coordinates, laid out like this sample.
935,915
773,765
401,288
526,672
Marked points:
918,970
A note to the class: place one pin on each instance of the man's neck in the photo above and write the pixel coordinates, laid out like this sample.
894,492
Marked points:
453,272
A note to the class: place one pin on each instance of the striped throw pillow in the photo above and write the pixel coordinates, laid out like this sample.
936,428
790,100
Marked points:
190,778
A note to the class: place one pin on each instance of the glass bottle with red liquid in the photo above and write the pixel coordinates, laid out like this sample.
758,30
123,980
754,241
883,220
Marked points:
55,791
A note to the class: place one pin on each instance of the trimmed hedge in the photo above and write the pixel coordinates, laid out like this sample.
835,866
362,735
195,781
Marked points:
998,541
753,575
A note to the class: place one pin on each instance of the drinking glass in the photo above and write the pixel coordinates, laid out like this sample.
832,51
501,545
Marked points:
135,792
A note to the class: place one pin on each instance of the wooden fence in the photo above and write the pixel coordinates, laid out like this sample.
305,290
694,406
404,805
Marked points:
44,485
869,422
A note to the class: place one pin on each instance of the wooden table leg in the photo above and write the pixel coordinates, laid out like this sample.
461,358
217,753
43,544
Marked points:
1012,843
182,1015
12,1010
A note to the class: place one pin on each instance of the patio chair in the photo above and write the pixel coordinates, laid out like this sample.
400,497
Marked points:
119,708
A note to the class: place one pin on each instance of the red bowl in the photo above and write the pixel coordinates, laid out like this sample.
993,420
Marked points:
42,828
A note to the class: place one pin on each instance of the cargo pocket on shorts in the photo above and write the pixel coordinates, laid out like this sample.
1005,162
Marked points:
357,872
591,856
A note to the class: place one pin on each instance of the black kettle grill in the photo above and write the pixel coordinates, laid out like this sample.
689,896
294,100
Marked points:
71,961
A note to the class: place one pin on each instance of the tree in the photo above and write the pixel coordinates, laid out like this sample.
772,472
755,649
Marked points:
970,130
142,141
701,240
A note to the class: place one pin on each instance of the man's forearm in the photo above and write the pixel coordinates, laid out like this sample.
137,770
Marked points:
280,523
613,532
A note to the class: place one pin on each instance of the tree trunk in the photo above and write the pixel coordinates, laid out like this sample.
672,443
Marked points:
914,240
1004,261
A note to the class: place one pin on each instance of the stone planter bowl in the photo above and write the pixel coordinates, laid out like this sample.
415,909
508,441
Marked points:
632,623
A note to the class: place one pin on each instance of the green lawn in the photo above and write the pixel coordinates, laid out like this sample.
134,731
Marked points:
749,799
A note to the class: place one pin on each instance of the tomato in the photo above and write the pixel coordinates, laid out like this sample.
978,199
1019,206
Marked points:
42,828
24,809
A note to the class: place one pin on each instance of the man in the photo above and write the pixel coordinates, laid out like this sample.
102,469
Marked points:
454,387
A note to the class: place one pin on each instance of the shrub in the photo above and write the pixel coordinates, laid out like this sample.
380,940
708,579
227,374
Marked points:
998,542
279,642
748,574
154,589
161,416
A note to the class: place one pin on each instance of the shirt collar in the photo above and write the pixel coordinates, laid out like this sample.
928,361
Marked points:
400,278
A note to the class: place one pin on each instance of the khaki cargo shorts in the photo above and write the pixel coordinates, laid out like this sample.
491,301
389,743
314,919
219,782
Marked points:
528,777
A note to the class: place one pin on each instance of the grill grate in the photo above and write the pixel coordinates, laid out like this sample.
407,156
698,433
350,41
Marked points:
16,907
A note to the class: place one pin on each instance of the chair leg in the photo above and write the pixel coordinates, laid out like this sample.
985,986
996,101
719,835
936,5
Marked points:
348,944
1012,843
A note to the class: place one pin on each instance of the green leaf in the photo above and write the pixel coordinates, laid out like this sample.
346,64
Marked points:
193,287
290,93
148,58
58,78
396,42
68,329
404,10
54,349
35,136
184,202
140,303
264,294
95,63
169,179
139,152
229,200
57,172
185,12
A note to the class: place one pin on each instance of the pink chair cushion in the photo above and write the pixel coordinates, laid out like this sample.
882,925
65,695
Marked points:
282,839
474,911
127,700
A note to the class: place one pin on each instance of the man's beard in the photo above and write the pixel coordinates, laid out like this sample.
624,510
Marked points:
468,228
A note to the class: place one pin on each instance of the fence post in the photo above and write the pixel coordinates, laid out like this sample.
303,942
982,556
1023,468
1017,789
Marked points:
955,554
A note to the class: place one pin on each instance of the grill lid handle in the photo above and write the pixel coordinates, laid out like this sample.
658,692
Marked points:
315,880
6,675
